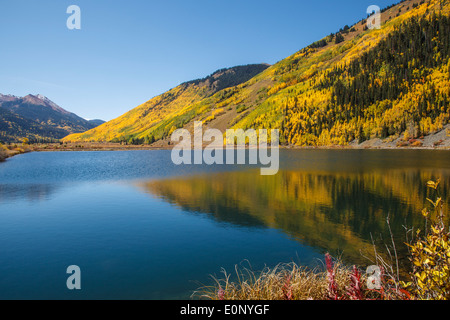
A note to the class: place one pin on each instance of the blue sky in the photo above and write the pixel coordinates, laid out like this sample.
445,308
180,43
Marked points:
130,51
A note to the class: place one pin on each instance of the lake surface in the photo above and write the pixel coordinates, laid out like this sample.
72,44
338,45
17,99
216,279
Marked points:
140,227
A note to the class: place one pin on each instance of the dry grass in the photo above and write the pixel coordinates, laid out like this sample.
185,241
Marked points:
334,281
269,284
3,155
288,282
12,150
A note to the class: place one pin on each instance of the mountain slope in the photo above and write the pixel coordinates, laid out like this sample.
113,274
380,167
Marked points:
144,118
13,128
96,122
44,111
36,117
375,84
351,86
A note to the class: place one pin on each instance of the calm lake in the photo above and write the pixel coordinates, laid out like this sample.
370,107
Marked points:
140,227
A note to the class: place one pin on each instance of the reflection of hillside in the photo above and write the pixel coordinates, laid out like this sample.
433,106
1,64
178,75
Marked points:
31,192
331,211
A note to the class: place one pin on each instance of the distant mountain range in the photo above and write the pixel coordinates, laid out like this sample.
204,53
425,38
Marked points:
39,119
356,84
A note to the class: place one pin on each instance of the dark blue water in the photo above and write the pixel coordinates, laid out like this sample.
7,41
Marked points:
140,227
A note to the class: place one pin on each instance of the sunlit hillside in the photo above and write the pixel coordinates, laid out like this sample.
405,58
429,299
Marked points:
355,84
142,123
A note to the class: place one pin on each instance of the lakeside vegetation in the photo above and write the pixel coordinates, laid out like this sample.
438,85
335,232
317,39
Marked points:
428,276
10,150
439,140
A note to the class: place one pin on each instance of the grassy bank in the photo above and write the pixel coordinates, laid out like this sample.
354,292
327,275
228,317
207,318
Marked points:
428,276
335,281
7,151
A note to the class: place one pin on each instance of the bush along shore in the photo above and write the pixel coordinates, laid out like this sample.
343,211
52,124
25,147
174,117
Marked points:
427,279
10,150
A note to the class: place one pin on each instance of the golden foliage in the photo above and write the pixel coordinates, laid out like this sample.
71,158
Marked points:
430,255
289,96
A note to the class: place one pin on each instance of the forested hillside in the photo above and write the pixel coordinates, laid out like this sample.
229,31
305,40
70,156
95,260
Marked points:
14,128
400,84
38,119
353,85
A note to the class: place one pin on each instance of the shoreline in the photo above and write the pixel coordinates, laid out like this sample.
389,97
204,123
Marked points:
9,152
109,147
439,140
374,144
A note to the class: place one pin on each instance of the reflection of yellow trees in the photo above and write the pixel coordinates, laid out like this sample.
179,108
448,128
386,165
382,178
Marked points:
331,211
